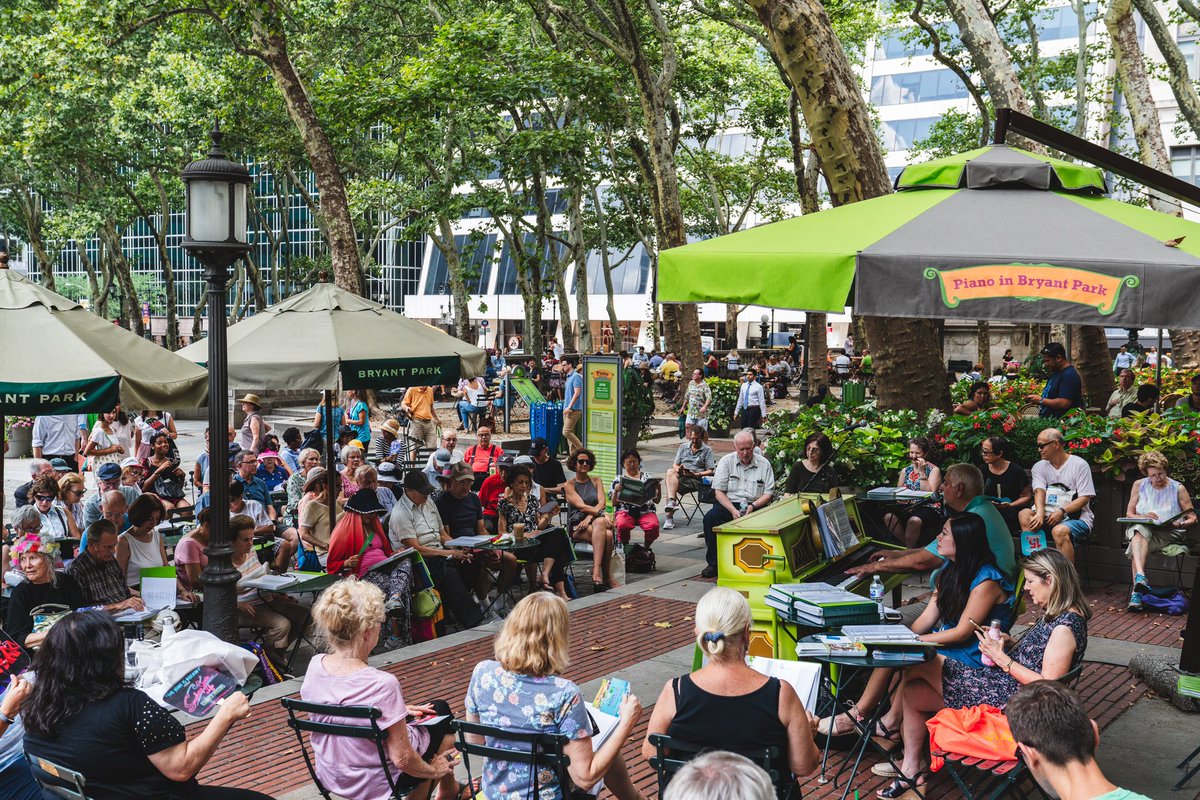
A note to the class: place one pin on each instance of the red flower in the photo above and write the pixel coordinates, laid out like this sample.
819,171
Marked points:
951,447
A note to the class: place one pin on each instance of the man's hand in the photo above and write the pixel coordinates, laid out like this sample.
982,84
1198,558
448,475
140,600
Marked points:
870,568
1036,521
1056,516
134,603
247,609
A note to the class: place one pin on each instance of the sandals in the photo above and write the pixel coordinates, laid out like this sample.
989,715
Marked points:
827,726
900,787
886,740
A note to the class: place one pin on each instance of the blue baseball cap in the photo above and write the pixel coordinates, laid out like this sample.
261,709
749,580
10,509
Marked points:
109,472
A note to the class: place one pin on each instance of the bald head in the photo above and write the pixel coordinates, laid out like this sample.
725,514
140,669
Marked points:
113,508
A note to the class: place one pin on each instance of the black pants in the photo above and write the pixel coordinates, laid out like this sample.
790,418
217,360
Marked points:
437,733
455,595
717,515
199,792
554,543
752,417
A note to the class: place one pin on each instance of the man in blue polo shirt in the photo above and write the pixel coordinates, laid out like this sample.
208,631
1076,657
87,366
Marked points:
962,487
254,487
572,406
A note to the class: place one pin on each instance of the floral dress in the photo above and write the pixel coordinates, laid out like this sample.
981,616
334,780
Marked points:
964,686
504,699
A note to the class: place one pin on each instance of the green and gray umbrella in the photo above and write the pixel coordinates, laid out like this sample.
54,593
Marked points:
994,233
310,340
59,358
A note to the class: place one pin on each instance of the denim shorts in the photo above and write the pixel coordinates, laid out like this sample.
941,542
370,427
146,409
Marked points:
1080,530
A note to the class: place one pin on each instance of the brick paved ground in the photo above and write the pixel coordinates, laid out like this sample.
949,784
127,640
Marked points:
1110,620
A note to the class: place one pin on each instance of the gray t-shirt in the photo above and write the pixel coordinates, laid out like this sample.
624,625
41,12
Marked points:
695,460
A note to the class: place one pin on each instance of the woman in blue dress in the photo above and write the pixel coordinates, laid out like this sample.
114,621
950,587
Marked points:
968,586
1047,651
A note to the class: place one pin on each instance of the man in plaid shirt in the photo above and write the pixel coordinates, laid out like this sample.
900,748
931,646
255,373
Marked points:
98,574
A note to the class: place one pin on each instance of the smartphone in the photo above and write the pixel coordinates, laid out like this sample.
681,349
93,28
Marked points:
978,627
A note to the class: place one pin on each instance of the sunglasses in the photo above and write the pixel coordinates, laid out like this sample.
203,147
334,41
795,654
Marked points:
1040,445
44,498
584,462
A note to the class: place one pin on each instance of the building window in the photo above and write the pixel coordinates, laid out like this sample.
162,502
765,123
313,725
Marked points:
916,87
900,134
1185,163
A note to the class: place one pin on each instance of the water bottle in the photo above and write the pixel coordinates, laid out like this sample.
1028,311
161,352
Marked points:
993,633
877,595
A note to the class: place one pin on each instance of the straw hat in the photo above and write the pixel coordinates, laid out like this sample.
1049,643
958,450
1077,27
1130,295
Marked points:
252,399
391,426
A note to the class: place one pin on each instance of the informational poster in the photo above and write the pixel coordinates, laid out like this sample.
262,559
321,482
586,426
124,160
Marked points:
602,397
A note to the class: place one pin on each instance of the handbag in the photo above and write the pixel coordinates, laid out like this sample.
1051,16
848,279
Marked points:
308,561
46,615
978,731
426,603
616,565
640,559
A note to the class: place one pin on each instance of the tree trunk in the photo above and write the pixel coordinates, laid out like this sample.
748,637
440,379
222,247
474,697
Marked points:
93,284
1178,70
579,253
907,359
459,312
1147,130
1081,68
732,310
1089,351
164,256
817,357
335,207
983,335
120,266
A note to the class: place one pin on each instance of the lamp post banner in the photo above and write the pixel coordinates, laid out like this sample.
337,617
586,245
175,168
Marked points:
388,373
60,397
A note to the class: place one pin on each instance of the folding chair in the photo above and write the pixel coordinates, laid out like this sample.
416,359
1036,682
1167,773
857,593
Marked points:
541,751
670,755
689,514
57,779
370,731
988,779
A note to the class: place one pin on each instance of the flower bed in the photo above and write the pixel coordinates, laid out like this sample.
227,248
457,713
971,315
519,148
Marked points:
873,455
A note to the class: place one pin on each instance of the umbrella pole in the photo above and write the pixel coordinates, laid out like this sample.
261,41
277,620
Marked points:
330,471
4,438
1158,363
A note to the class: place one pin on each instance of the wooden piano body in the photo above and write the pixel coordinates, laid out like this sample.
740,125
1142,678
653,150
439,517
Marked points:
782,544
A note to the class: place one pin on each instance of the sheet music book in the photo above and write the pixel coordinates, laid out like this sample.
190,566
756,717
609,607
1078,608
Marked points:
272,583
392,559
837,534
468,541
897,493
803,676
605,723
879,633
133,615
636,491
1154,523
158,593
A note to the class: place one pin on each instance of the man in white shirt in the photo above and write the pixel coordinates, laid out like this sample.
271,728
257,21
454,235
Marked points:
1062,494
751,402
1123,395
841,365
60,436
744,482
1123,360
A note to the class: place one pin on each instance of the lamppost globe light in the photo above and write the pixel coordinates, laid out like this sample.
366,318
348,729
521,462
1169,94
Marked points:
215,192
764,319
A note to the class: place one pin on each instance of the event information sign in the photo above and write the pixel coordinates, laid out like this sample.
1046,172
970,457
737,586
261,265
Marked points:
602,396
1031,282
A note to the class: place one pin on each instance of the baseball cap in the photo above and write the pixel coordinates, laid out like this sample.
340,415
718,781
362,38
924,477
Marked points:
523,461
461,471
387,472
442,457
59,465
107,472
130,462
505,461
537,445
1054,350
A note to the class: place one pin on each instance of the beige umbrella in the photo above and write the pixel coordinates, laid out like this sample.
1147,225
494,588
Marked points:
59,358
310,340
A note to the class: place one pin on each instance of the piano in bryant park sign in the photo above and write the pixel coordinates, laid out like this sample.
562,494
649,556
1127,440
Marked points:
994,233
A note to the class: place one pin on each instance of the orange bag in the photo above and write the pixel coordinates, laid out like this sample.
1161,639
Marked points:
978,731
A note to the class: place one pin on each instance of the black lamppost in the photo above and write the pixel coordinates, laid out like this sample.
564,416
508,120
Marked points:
764,330
215,233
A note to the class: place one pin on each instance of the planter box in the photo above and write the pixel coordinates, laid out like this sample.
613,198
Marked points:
20,443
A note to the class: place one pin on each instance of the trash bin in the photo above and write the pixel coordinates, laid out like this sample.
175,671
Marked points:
854,394
545,422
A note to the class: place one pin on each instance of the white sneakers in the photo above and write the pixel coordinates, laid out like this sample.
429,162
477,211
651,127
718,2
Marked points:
668,523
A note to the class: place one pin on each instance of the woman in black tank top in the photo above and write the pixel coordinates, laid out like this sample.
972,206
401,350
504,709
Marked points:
726,705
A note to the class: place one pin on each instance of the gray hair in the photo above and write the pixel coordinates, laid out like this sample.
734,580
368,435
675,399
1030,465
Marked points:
26,515
348,449
37,465
719,775
746,433
967,477
303,454
107,498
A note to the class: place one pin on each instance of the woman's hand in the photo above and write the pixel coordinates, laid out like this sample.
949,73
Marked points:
631,709
247,609
992,648
444,763
18,690
234,707
351,563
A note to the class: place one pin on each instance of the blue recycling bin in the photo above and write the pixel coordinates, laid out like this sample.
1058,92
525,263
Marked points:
545,422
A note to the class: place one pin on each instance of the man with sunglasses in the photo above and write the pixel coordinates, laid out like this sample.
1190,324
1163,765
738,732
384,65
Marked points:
1062,495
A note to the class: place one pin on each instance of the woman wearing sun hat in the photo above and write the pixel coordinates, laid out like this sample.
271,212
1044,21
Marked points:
356,548
254,428
43,586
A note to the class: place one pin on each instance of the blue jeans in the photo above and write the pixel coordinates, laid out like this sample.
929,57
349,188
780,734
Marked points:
17,783
717,515
465,410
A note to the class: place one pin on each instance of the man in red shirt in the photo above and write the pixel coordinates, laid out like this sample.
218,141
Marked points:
492,490
482,456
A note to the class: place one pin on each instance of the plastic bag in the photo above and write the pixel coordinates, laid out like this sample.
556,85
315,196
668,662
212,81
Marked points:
161,666
978,731
616,565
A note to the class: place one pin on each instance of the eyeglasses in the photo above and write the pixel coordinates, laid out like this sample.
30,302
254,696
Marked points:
44,498
987,452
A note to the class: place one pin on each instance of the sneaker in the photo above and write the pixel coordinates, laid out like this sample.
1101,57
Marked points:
1135,601
668,523
1140,584
672,504
393,643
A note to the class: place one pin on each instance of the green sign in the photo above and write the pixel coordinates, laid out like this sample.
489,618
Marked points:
68,397
602,413
391,373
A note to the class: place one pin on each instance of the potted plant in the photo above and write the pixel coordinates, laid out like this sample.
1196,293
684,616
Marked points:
19,437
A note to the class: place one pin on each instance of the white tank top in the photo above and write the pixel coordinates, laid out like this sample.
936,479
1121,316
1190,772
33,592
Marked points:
1164,502
141,554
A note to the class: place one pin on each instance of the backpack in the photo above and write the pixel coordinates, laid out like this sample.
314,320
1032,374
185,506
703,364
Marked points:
315,440
640,559
1168,599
